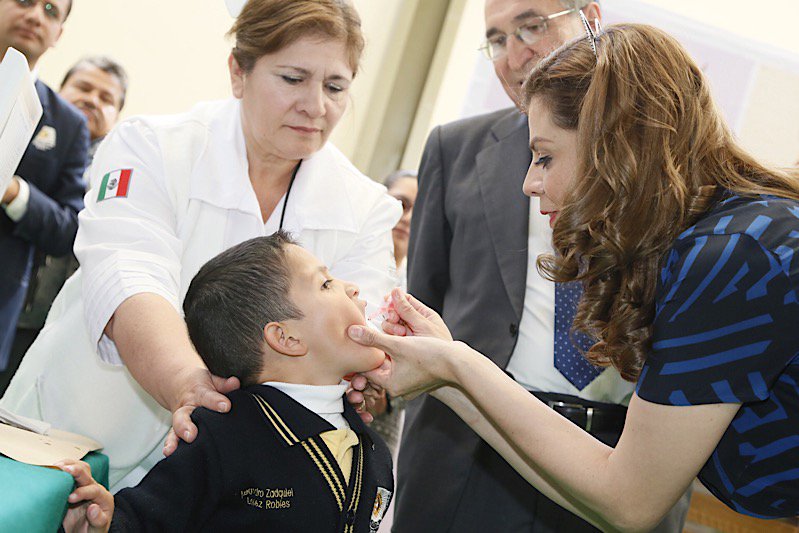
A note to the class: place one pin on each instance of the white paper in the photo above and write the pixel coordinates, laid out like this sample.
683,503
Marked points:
44,450
20,111
38,443
37,426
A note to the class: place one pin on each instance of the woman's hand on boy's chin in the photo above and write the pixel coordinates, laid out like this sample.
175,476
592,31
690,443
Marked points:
415,364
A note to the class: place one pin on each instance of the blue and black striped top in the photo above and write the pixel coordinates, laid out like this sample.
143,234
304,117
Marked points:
727,331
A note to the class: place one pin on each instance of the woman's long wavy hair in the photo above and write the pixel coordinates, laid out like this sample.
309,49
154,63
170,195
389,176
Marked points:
654,156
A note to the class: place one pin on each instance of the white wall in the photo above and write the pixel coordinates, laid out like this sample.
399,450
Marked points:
174,50
773,22
448,85
379,19
749,57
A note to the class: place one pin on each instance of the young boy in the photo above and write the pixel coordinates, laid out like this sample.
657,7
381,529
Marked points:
291,455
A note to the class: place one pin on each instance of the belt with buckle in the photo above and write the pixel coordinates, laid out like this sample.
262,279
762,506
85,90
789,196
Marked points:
593,417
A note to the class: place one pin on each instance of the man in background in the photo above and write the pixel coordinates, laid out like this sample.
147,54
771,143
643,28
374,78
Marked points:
38,211
474,242
97,86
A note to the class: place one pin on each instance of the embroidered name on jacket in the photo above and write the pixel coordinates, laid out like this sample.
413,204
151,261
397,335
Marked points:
268,498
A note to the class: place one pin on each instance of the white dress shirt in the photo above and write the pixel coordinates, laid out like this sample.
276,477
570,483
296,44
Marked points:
532,362
16,208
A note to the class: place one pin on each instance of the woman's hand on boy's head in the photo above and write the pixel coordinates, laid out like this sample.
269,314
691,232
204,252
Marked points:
91,505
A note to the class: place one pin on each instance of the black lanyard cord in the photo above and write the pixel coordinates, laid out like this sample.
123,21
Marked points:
288,192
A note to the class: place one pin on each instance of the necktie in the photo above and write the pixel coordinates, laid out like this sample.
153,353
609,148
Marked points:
569,348
340,443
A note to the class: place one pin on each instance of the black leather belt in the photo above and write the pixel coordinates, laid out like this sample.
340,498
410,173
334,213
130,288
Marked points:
593,417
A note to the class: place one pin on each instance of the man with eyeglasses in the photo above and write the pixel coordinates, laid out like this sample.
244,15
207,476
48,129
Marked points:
38,211
474,242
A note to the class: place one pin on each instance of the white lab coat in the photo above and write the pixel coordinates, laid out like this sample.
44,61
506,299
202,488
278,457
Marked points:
188,199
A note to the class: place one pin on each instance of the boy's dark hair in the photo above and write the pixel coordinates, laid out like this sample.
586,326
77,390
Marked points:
232,298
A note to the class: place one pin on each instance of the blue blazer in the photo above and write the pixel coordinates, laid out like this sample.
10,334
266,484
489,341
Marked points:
55,176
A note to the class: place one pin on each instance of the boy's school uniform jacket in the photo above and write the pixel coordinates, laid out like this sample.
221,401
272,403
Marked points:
262,466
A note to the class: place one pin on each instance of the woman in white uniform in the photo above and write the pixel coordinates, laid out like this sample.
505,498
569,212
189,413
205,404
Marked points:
167,194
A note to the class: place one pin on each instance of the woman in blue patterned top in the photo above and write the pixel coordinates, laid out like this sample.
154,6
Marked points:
684,245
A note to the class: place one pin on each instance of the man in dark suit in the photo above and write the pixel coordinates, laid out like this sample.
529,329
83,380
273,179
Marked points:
474,240
97,86
40,206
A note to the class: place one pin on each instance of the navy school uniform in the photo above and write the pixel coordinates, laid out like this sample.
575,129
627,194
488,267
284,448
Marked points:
725,331
262,467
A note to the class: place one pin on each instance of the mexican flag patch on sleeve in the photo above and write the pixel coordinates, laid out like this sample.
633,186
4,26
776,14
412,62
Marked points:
115,184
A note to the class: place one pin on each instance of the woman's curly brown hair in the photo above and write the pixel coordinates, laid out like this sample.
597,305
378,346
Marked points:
655,155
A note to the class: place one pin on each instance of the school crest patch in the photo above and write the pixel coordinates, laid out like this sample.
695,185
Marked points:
382,500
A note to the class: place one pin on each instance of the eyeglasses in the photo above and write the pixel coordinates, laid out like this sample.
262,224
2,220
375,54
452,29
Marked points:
50,9
529,33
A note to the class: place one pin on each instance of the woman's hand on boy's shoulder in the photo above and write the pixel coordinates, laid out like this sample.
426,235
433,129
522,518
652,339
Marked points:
202,390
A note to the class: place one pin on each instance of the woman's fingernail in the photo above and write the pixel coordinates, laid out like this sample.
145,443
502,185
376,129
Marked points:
222,407
356,332
93,512
186,435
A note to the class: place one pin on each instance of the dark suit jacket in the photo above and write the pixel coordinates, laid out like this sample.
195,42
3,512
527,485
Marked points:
467,260
55,177
260,467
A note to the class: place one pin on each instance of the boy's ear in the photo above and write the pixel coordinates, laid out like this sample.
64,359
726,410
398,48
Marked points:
279,339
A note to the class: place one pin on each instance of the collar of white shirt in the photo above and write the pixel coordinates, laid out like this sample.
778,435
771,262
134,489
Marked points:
324,400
